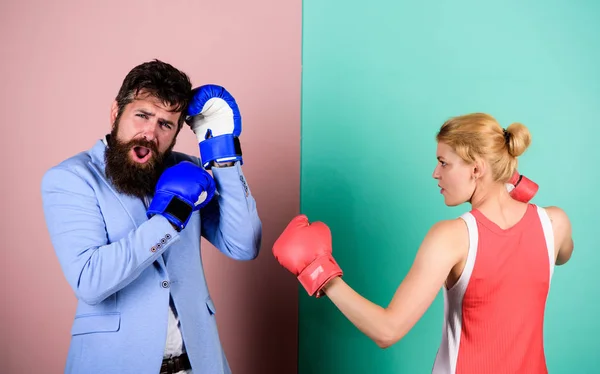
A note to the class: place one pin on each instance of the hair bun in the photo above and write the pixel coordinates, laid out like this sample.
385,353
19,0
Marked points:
518,138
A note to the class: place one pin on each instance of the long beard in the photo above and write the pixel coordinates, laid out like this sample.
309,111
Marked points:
128,176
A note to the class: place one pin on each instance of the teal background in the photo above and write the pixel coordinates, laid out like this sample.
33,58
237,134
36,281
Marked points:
379,79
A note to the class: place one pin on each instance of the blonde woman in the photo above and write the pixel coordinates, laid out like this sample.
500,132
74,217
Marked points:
493,263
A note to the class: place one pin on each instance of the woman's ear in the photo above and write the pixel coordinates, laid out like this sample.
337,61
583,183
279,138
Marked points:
479,169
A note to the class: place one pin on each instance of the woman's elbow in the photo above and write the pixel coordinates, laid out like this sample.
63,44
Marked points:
386,341
388,336
383,344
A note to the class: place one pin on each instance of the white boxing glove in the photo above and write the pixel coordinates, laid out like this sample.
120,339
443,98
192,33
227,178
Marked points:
214,117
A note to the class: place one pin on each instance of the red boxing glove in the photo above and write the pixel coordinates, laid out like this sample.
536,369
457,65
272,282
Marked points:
521,188
305,250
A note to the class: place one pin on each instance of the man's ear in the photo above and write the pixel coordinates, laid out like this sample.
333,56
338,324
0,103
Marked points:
114,110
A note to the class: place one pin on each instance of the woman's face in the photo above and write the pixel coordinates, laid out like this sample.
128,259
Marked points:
454,176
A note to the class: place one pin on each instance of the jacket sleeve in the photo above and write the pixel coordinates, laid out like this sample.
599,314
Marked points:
94,268
230,221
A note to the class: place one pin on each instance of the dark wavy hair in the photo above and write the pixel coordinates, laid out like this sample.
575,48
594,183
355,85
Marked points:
159,79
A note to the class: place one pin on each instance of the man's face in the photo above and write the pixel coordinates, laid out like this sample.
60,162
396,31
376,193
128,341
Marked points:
142,136
146,118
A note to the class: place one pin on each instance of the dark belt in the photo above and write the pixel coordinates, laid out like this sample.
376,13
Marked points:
175,364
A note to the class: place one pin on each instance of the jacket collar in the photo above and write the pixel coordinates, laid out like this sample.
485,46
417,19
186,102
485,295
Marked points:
134,206
97,154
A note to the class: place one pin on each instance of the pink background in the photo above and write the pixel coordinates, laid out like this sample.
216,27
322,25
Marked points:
62,64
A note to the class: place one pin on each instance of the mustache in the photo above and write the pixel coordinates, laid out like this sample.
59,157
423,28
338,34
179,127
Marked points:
142,143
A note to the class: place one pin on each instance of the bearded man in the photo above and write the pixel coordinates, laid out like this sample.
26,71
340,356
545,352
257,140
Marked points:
126,219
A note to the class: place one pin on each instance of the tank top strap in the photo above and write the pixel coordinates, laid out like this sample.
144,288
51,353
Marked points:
548,235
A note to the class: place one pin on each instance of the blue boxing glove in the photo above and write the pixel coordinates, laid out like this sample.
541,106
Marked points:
181,190
215,118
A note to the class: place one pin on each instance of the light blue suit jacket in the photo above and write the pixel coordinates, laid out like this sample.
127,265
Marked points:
123,266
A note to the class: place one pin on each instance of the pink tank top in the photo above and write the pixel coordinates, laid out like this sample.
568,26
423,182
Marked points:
494,314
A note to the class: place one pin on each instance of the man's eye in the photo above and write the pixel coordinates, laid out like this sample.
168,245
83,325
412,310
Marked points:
168,126
142,115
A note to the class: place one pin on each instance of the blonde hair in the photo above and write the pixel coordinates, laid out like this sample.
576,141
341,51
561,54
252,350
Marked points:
479,135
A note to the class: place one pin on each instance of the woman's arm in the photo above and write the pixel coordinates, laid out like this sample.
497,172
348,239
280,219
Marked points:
444,246
563,237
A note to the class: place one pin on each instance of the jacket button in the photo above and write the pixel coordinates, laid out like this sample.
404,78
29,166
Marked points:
168,236
153,249
164,284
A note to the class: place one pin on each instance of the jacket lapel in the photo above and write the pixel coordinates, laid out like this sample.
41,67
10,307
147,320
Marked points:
133,206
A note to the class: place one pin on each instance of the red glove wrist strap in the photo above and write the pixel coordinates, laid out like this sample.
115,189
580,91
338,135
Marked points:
318,273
